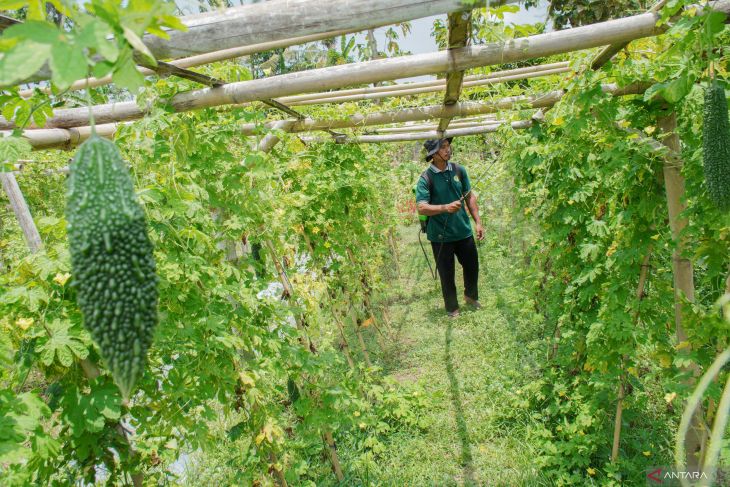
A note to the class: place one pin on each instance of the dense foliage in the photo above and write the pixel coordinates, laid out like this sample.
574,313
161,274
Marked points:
276,269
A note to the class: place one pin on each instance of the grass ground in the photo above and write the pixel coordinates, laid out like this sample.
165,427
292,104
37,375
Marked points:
472,369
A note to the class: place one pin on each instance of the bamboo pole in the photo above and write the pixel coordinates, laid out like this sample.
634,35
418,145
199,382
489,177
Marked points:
412,128
289,291
430,89
283,19
201,59
48,138
22,212
586,37
439,83
459,30
429,134
429,112
682,273
639,296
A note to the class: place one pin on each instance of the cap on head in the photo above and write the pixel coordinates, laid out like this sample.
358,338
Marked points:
432,146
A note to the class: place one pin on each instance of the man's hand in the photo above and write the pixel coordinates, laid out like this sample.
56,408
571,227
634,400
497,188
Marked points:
480,232
453,207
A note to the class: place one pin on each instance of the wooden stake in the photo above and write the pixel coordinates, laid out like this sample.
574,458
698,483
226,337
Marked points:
332,449
683,275
640,293
22,212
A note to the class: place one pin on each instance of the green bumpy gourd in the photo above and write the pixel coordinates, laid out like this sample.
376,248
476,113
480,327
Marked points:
716,145
112,259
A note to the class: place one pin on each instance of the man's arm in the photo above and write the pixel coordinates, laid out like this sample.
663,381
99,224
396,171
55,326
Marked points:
432,210
471,204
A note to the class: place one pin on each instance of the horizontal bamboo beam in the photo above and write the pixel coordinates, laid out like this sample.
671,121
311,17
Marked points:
462,109
63,138
441,83
66,138
521,49
429,134
429,89
201,59
453,124
282,19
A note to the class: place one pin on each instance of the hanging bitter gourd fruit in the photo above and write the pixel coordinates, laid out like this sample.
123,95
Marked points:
112,259
716,145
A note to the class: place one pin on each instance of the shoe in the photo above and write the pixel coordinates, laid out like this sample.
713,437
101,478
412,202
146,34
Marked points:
472,302
454,314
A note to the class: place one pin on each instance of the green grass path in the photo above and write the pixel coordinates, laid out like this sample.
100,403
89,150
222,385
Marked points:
472,368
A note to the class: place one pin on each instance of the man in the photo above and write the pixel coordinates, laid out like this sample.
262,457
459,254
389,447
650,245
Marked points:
440,193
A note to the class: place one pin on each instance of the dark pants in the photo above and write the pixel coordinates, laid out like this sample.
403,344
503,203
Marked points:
466,251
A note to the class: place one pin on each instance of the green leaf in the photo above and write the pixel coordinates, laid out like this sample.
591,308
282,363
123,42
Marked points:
89,412
33,30
97,35
102,69
62,344
22,61
14,148
68,64
126,74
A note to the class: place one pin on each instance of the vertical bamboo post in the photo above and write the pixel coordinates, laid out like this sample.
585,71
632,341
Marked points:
332,449
643,274
21,210
366,301
289,291
682,271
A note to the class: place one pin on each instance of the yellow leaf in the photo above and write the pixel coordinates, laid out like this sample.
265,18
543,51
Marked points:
24,323
655,237
665,360
558,121
362,426
646,453
591,471
368,322
624,124
61,279
633,371
670,397
682,344
246,379
650,129
356,413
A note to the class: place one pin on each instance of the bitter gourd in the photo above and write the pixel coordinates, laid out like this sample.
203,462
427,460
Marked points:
112,259
716,145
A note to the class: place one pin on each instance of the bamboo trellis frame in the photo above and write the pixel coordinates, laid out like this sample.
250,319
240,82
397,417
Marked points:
612,32
596,35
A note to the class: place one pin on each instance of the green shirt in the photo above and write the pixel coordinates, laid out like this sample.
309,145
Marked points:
447,187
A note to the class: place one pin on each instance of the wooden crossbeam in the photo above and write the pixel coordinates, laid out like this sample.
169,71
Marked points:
540,45
611,50
422,135
438,84
66,138
281,19
459,29
167,69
